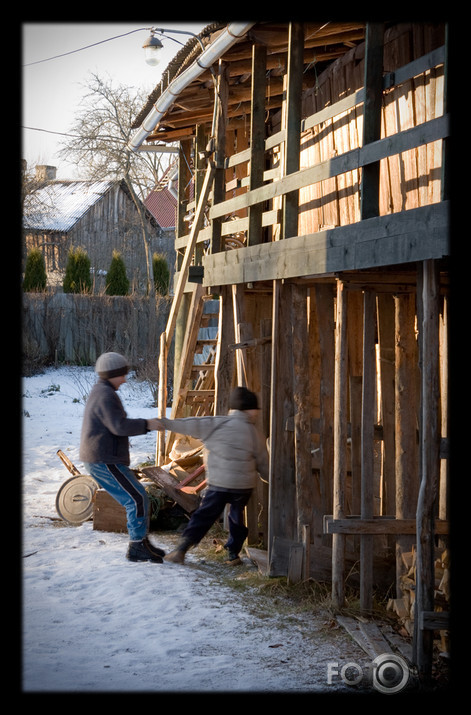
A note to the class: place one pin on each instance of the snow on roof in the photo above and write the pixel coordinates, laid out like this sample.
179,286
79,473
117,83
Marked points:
58,205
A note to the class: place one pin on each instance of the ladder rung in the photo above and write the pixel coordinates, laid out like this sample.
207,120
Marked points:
203,366
199,395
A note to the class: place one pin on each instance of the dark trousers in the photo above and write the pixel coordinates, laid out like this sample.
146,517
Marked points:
210,509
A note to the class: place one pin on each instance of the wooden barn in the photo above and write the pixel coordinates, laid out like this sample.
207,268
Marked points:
321,223
97,216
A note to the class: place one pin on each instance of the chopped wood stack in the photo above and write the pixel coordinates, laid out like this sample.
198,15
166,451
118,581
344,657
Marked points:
404,606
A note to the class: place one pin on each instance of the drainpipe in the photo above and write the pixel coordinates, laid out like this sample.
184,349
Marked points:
212,53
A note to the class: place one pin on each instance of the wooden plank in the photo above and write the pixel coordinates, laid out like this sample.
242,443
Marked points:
434,620
367,447
430,461
367,635
259,557
340,445
293,124
279,555
354,159
257,139
282,488
305,487
417,234
378,525
108,514
295,563
406,420
372,115
221,98
169,484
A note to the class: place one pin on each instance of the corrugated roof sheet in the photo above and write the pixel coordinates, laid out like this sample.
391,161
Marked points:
58,205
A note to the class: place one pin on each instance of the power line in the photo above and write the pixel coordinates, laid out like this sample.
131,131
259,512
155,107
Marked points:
80,49
49,131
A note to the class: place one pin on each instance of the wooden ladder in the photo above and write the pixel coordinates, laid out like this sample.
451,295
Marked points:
167,335
194,386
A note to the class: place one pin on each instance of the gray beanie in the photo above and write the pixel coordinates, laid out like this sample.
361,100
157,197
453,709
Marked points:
111,365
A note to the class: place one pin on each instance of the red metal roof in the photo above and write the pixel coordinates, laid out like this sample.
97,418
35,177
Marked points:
163,206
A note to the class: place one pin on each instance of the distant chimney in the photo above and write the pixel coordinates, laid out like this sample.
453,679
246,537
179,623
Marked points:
45,173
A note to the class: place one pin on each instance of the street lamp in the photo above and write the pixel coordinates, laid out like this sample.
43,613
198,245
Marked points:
153,45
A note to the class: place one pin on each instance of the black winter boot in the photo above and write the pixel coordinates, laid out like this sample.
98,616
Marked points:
141,551
154,549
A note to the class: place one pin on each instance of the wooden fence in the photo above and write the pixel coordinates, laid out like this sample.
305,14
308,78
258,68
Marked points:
76,329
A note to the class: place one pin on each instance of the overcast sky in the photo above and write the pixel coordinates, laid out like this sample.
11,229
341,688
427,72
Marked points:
52,90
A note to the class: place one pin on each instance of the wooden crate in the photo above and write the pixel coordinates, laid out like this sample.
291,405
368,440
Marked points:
108,515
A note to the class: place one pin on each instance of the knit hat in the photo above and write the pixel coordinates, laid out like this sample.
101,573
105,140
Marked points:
111,365
243,399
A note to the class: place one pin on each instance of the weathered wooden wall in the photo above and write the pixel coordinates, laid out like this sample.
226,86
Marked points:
407,180
110,224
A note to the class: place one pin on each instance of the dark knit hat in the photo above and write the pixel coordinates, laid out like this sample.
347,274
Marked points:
243,399
111,365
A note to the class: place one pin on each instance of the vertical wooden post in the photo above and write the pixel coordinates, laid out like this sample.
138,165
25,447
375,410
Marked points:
293,124
282,488
407,466
219,190
326,323
257,139
355,370
340,445
430,463
302,416
162,398
200,164
372,115
367,448
386,332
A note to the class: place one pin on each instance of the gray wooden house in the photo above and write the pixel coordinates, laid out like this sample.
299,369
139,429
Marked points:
321,222
98,216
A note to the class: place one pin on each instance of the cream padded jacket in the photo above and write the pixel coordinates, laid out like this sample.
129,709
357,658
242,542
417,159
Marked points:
236,450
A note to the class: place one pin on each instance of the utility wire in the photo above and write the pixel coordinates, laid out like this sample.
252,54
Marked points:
140,29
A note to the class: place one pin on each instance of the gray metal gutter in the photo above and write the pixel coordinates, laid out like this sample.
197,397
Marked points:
233,32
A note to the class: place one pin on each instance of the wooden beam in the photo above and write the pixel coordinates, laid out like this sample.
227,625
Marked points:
430,461
372,115
406,420
257,140
293,124
385,240
220,150
282,488
367,447
340,445
377,525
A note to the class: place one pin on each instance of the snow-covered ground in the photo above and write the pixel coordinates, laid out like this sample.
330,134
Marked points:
94,622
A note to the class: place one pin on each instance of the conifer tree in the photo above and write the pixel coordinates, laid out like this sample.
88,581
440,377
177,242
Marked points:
35,272
161,273
117,282
77,273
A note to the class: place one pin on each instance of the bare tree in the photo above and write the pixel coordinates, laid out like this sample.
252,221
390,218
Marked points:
98,146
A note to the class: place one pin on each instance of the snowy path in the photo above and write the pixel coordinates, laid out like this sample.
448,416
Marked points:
94,622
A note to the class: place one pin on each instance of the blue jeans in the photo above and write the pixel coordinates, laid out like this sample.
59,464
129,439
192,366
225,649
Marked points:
210,509
123,485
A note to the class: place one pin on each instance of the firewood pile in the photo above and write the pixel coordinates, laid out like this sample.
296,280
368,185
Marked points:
404,606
